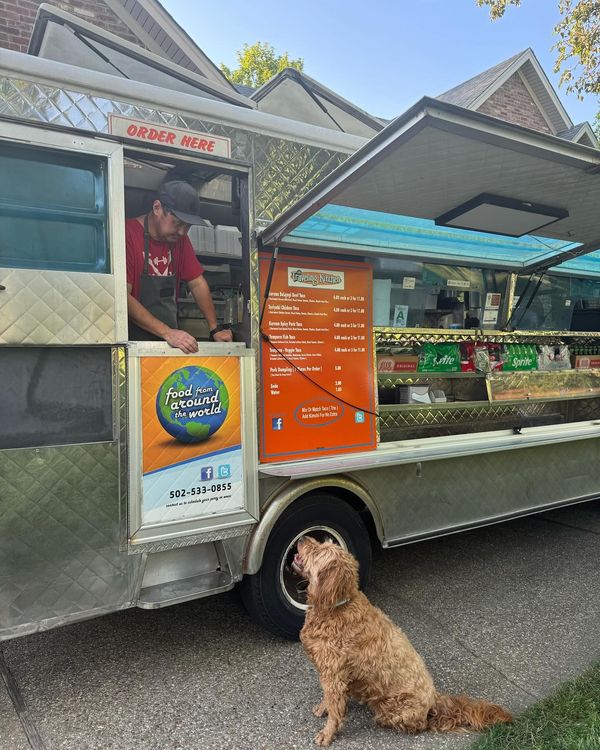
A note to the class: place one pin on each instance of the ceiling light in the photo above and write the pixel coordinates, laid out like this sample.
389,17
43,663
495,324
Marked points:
499,215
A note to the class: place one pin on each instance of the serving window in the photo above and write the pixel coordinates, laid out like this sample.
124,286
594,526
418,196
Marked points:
446,366
53,210
221,246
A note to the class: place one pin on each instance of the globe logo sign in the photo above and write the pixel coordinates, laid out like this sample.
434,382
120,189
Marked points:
192,404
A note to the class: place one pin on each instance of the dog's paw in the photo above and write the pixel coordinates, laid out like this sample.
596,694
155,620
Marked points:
323,738
320,710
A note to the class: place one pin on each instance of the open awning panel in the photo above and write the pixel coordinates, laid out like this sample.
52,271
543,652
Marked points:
341,227
434,158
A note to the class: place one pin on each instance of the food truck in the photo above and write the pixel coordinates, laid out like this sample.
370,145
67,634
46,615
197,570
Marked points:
416,347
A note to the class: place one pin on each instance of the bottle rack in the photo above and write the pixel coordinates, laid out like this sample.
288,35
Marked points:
489,401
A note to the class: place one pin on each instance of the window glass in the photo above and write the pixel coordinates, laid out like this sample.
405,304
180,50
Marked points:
409,294
53,212
561,303
55,396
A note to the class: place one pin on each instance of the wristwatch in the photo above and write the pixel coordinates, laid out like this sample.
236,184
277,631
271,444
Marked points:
223,327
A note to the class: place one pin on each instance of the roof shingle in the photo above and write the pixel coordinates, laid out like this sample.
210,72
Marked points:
467,92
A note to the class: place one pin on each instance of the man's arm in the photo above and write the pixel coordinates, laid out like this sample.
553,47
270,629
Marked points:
143,318
201,293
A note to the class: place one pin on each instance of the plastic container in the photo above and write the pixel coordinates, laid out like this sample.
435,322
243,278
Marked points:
202,239
228,241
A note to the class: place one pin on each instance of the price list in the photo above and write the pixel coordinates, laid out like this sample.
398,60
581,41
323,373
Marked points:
317,375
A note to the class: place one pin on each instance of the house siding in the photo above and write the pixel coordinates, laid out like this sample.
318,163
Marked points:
17,18
513,102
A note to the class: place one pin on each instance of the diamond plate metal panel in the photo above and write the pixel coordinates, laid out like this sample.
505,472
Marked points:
44,103
190,541
394,337
439,496
60,535
402,423
585,409
56,307
285,170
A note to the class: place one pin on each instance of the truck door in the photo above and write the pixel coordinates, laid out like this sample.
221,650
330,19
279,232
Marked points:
62,369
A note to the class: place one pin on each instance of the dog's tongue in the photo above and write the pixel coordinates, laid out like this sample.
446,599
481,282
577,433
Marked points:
297,564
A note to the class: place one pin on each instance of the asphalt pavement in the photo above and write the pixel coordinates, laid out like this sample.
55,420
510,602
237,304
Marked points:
507,612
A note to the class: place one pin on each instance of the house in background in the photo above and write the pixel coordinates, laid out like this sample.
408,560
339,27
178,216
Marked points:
145,43
518,90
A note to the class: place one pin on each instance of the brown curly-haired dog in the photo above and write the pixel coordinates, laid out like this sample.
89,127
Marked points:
360,653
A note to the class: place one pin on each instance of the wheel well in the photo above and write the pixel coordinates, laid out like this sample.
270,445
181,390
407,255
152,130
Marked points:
354,502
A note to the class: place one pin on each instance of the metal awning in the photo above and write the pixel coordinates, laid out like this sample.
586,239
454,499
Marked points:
433,158
61,36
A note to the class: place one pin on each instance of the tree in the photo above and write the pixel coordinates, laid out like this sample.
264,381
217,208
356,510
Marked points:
578,44
257,63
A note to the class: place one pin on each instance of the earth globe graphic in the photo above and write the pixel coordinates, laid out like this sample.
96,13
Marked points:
192,404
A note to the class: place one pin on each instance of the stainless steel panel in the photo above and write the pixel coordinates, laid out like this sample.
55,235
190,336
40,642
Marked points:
45,103
63,543
61,539
42,307
433,497
405,422
284,170
410,336
53,307
191,541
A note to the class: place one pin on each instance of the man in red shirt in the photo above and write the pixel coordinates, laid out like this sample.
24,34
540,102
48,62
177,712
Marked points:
159,256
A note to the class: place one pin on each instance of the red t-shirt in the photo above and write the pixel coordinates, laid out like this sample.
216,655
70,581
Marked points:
164,259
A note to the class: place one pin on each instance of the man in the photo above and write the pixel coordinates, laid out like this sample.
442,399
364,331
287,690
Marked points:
160,256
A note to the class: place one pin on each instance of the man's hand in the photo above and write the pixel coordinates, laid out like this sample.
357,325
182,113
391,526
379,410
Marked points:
181,340
223,336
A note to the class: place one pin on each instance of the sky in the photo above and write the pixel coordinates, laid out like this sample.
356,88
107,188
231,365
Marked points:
382,55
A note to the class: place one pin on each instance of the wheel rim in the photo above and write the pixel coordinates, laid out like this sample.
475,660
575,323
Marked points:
292,585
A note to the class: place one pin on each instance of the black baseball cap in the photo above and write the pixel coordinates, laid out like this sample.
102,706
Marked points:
182,199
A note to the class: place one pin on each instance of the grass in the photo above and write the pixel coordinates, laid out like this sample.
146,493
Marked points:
569,719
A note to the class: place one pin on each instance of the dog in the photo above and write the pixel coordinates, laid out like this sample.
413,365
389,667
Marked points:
358,652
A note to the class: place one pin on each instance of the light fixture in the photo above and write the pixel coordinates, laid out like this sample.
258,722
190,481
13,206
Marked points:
500,215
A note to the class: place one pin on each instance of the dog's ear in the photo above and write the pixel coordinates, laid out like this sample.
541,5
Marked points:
336,580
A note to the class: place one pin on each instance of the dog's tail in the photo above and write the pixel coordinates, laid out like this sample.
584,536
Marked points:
452,712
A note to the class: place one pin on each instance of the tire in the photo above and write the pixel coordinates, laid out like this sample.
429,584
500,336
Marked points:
274,596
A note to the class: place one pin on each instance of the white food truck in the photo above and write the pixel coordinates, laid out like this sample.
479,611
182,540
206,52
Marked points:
416,327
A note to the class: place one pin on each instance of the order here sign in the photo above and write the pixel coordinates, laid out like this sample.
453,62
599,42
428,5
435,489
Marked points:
148,132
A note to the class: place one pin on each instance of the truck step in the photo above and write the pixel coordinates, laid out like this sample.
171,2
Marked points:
174,592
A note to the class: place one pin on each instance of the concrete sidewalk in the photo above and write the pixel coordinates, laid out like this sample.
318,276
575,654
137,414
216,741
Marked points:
507,613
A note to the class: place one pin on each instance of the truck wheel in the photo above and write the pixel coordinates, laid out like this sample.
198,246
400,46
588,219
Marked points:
276,595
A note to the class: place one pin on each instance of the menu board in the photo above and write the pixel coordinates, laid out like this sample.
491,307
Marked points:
317,371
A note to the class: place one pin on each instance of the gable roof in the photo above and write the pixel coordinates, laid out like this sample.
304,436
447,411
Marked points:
63,37
156,28
468,92
581,133
473,93
322,106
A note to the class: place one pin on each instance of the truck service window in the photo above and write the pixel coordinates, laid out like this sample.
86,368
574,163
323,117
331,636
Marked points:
53,212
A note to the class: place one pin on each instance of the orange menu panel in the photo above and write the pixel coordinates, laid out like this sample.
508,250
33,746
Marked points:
317,372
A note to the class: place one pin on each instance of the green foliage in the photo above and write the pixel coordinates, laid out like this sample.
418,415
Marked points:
497,7
567,720
579,40
578,45
257,63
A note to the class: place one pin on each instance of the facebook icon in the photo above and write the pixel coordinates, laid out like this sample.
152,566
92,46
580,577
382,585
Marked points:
277,423
206,473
